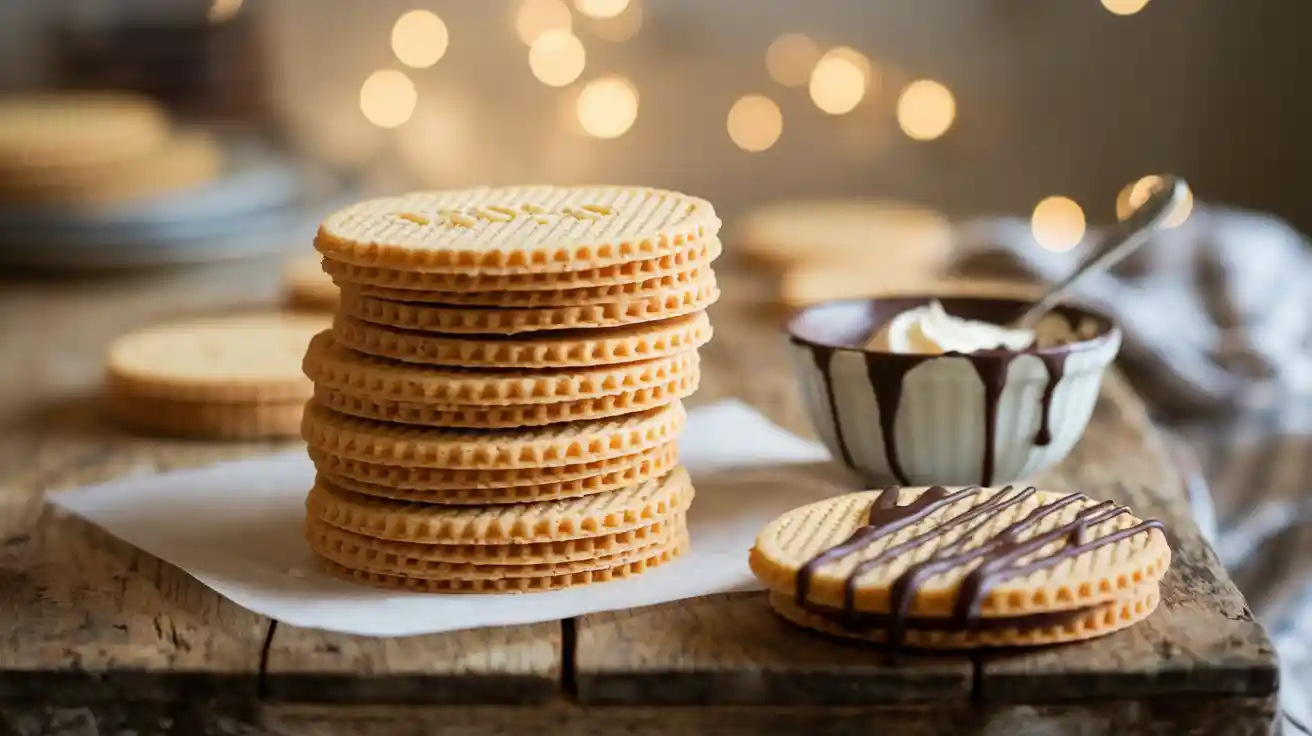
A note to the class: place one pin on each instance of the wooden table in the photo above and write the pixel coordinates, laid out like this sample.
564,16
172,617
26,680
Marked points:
101,639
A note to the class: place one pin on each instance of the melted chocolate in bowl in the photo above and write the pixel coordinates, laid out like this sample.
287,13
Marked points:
847,325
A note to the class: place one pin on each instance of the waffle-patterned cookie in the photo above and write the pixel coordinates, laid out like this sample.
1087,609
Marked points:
395,558
664,555
546,521
562,444
655,466
333,366
583,296
693,255
504,482
508,417
515,229
957,561
239,358
555,349
676,302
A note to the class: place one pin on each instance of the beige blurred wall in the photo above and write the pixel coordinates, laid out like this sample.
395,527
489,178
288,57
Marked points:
1053,97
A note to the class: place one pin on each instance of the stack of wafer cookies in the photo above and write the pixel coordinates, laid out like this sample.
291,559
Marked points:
497,405
229,377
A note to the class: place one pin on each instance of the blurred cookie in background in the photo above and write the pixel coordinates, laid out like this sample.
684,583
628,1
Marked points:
306,287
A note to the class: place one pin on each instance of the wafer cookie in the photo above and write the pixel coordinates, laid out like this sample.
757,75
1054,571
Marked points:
331,365
693,255
556,349
565,550
502,481
515,229
607,293
1135,606
198,420
564,444
510,585
483,320
414,560
237,358
654,466
547,521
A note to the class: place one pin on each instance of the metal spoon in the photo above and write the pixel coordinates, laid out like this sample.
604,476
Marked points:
1120,241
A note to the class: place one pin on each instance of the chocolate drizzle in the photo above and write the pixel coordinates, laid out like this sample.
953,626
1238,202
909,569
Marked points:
836,326
999,556
1056,365
824,358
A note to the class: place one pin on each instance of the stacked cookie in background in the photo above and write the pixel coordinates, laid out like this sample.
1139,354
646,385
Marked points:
497,405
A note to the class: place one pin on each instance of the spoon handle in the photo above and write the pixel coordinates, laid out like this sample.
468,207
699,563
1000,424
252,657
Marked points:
1119,242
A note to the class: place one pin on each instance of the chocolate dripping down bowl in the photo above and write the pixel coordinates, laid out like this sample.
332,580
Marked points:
926,419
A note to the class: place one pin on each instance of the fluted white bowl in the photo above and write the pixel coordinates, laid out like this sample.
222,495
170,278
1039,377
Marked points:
941,424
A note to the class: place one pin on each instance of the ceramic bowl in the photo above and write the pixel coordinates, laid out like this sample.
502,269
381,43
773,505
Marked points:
989,417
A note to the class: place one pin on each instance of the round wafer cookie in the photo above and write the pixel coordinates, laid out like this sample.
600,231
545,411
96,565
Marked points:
696,254
685,299
414,560
584,295
509,417
565,550
235,358
199,420
960,555
563,444
307,287
512,585
554,349
78,129
1099,620
515,229
545,521
653,466
498,480
331,365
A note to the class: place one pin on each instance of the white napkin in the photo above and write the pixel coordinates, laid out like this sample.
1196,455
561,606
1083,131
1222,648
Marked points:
237,528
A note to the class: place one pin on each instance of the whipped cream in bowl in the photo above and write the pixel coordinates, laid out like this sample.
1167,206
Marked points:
924,391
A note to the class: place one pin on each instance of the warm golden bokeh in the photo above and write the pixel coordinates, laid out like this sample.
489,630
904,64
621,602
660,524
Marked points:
1124,7
536,17
557,58
755,123
838,83
387,98
601,8
607,107
419,39
1058,223
621,27
925,110
790,59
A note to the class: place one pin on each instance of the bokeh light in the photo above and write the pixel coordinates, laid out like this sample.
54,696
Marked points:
557,58
387,98
607,107
621,27
1133,195
790,59
536,17
838,81
1058,223
419,39
601,8
755,123
222,11
925,110
1124,7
